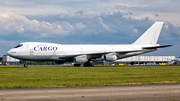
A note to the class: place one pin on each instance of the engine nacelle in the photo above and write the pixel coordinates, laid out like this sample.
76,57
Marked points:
80,59
109,57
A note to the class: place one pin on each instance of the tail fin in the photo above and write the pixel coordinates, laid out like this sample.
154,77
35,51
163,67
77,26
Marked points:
151,36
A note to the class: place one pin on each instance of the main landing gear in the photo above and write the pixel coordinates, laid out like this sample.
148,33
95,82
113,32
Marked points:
86,64
25,64
89,64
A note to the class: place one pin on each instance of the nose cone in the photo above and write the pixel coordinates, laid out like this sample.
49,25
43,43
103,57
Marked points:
11,53
8,53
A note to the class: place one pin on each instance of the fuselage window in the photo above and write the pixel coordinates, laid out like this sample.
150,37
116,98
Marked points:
18,45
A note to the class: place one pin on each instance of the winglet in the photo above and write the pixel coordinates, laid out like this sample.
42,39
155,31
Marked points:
151,36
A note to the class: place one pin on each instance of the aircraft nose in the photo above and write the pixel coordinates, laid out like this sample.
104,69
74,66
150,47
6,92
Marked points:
11,52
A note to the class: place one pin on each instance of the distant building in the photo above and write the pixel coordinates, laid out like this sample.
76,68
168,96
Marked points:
142,60
10,61
148,58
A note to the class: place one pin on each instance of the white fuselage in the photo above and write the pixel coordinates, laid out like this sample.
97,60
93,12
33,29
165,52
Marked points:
49,51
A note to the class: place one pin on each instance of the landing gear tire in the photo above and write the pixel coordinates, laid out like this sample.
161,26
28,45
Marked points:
77,65
92,65
88,64
25,65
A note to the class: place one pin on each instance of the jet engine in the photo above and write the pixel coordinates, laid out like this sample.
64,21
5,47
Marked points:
80,59
109,57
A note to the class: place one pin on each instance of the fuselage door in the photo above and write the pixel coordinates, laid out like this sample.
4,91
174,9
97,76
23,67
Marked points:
31,52
54,52
81,51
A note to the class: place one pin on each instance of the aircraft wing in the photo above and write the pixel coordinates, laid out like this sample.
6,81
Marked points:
101,53
155,47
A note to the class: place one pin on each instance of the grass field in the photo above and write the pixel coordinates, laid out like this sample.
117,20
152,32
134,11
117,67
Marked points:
65,76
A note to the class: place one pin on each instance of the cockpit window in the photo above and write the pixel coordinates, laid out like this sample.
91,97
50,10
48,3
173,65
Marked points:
19,45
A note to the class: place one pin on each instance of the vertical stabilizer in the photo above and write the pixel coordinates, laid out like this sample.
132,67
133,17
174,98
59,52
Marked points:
151,36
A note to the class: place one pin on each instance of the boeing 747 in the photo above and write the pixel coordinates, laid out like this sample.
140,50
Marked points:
85,54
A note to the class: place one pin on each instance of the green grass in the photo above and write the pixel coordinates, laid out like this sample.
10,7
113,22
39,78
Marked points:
41,76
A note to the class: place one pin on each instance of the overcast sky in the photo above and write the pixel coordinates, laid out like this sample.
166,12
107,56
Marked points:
88,22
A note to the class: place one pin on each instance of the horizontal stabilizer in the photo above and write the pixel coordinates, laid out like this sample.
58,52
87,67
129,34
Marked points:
155,47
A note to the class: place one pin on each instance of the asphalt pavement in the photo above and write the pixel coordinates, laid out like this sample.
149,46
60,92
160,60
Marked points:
158,92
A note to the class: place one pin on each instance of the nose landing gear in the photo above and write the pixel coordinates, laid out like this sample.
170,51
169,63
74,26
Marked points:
25,64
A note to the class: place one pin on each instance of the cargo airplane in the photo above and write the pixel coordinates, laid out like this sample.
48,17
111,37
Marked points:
85,54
